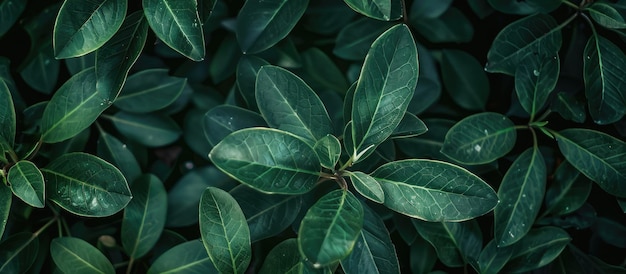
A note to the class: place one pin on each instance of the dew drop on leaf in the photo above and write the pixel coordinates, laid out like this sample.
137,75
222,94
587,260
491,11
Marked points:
536,72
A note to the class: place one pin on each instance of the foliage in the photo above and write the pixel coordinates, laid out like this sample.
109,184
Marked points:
355,136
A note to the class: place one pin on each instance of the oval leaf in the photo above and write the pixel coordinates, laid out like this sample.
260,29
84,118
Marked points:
410,126
188,257
455,243
464,79
283,258
151,130
18,252
480,138
119,154
149,90
74,255
7,115
82,27
534,81
222,120
569,107
606,15
86,185
177,24
330,228
538,248
27,183
268,160
434,191
328,150
224,231
367,186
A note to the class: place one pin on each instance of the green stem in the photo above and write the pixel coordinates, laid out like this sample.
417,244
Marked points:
31,154
570,4
405,17
544,115
130,264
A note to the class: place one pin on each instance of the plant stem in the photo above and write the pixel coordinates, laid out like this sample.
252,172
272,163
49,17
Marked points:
570,4
130,264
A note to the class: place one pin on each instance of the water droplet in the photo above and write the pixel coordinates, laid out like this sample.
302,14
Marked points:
477,148
511,234
523,195
536,72
124,146
46,62
588,57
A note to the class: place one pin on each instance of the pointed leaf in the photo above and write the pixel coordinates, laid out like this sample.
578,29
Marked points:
328,150
188,257
409,126
247,70
27,183
367,186
222,120
86,185
289,104
464,79
534,81
74,255
568,192
82,27
607,15
569,107
597,155
521,193
18,252
480,138
538,248
7,115
541,37
493,258
456,243
10,11
355,39
434,191
5,206
385,87
151,130
604,80
149,90
144,217
330,228
119,154
224,231
177,24
268,160
262,24
385,10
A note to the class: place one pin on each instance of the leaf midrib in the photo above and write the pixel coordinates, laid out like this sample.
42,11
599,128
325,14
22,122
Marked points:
80,258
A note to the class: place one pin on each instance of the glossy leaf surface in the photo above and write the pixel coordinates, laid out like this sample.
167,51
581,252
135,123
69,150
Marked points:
86,185
188,257
385,10
456,243
464,79
538,248
434,191
367,186
607,15
283,258
77,256
148,129
534,81
18,252
7,115
149,90
293,167
27,183
409,126
224,231
328,150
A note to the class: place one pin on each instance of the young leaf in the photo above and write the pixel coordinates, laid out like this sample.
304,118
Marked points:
7,115
606,15
355,39
151,130
538,248
144,217
385,10
464,79
11,11
262,24
493,258
604,80
74,255
86,185
328,150
597,155
247,70
27,183
222,120
188,257
268,160
541,37
82,27
434,191
569,107
119,154
367,186
456,243
5,206
409,126
177,24
224,231
569,191
521,193
534,81
384,90
330,228
480,138
149,90
18,252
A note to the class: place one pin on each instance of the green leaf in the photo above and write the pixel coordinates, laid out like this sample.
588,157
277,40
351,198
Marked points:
367,186
480,138
177,24
597,155
322,73
434,191
385,10
151,130
451,27
226,119
112,150
429,9
521,193
423,256
328,150
604,80
493,258
115,58
149,90
456,243
524,7
607,15
144,217
569,107
86,185
247,70
409,126
225,59
428,89
5,76
327,17
267,215
330,228
385,87
374,251
74,255
73,108
27,183
355,39
288,103
262,24
18,252
7,115
542,38
5,206
10,11
283,258
82,27
41,70
268,160
224,231
568,192
188,257
78,64
538,248
610,231
464,79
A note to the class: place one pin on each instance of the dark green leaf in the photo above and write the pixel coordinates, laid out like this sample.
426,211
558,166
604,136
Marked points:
5,76
464,79
385,10
224,231
5,206
610,231
569,191
541,37
607,15
330,228
74,255
451,26
41,70
434,191
524,7
480,138
78,64
355,39
10,11
7,115
225,119
75,144
225,59
521,193
328,150
194,138
327,16
86,185
428,89
73,108
262,24
247,70
119,154
283,258
409,126
144,217
322,73
27,183
18,252
538,248
429,9
604,80
456,243
149,90
493,258
569,107
597,155
367,186
82,27
385,87
151,130
423,256
178,25
481,8
188,257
